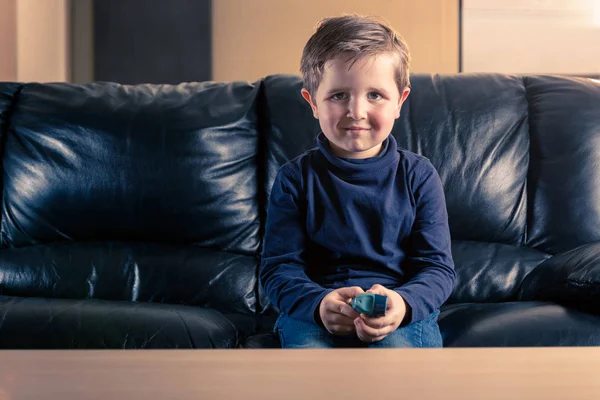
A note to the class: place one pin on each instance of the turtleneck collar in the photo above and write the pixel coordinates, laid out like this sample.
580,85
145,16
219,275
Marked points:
388,154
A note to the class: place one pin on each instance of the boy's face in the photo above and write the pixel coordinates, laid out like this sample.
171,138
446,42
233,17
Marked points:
356,107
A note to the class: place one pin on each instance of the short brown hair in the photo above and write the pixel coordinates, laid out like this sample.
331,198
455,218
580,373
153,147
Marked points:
359,36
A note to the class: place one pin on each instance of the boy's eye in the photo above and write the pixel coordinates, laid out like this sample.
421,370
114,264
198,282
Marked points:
374,96
339,96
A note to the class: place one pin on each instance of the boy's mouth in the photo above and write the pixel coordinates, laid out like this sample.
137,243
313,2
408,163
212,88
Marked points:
356,128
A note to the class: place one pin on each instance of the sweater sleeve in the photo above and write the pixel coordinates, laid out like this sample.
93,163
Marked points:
283,269
429,261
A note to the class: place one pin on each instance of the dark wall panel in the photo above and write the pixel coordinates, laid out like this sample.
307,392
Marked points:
152,41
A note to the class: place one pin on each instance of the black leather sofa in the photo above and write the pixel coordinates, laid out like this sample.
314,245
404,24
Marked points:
132,215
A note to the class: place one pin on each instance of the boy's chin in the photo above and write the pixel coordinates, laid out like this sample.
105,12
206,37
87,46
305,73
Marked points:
361,151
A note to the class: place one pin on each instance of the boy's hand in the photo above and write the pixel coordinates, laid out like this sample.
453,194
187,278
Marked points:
375,329
336,313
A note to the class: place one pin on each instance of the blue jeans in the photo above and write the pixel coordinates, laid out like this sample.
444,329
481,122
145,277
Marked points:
298,334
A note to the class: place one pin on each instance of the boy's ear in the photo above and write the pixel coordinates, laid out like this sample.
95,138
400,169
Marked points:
403,97
310,101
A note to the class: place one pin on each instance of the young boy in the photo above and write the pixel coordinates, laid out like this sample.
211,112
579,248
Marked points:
356,213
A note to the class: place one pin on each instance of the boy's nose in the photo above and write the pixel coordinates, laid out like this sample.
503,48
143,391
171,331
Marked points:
356,109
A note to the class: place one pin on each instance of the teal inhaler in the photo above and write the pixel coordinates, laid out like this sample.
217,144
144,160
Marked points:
374,305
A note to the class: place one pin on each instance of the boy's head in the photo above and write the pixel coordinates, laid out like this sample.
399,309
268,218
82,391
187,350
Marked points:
356,77
357,37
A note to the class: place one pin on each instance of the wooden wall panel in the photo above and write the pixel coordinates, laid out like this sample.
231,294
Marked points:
259,37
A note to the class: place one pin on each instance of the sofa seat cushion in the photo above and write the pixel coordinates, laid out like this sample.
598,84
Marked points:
514,324
41,323
517,324
491,272
571,278
130,271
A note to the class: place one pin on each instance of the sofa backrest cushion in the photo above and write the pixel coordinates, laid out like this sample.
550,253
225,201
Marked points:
146,163
474,129
8,91
564,179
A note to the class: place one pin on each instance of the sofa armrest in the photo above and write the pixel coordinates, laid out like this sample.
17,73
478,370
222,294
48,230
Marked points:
571,278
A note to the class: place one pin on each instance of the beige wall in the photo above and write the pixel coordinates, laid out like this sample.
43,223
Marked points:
251,38
42,40
255,38
566,38
8,40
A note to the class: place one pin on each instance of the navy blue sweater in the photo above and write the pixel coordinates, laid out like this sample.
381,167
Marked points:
335,222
